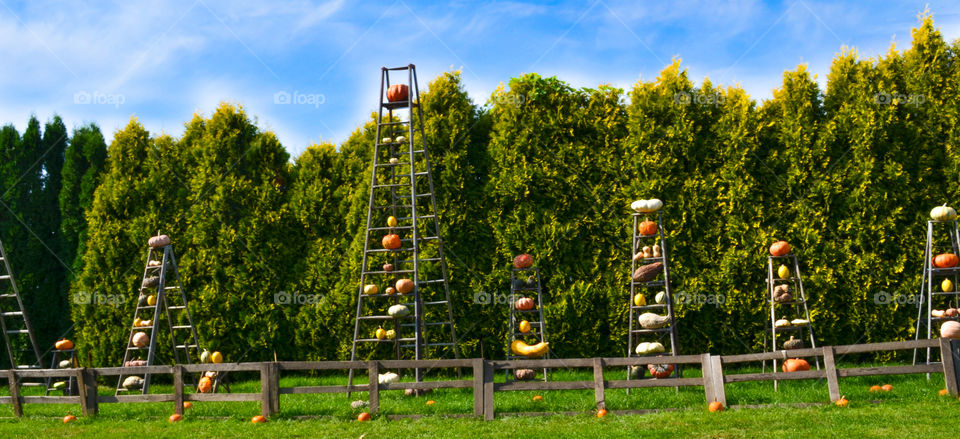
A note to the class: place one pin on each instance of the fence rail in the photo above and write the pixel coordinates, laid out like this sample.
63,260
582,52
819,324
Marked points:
713,379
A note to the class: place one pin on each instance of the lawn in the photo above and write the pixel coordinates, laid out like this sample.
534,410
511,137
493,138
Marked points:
913,408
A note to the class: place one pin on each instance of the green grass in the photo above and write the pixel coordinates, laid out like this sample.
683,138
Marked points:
912,408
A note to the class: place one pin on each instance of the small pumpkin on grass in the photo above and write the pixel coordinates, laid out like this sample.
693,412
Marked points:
943,392
715,406
886,387
363,417
875,388
601,413
842,402
69,418
259,419
174,418
537,398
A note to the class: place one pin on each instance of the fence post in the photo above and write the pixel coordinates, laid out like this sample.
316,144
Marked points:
477,387
373,371
87,384
265,391
275,387
951,361
487,391
178,389
716,372
598,389
830,367
15,393
705,367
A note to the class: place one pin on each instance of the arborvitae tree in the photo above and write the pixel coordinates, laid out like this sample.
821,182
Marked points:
52,266
84,163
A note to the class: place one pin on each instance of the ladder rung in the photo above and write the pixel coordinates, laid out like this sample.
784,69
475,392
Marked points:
398,206
182,327
432,281
428,344
425,194
394,123
28,366
134,348
388,272
5,277
185,346
176,307
436,323
7,296
407,218
377,340
439,302
373,229
374,318
171,288
389,185
384,250
18,331
12,313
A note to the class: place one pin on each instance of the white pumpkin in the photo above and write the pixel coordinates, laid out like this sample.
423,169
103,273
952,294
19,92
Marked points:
398,311
649,320
133,382
388,378
798,322
943,213
647,206
661,298
650,348
782,323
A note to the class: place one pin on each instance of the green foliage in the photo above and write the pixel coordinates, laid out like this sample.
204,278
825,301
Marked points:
84,163
847,174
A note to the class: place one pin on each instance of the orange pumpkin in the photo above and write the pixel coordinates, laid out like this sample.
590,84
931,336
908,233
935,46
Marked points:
205,385
875,388
601,413
842,402
945,260
795,365
648,227
175,417
187,404
523,261
63,344
886,387
780,248
398,92
391,241
524,304
660,370
404,286
258,419
363,417
69,418
943,392
715,406
537,398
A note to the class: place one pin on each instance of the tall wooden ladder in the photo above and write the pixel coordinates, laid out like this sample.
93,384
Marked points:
650,290
932,293
525,282
61,359
791,310
161,295
18,335
401,187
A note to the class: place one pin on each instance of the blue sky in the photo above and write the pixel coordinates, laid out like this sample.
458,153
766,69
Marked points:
162,61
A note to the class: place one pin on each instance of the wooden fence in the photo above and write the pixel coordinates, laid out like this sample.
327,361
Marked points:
713,379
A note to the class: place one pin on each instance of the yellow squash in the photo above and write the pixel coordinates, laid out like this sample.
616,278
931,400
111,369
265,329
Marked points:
639,300
783,272
520,348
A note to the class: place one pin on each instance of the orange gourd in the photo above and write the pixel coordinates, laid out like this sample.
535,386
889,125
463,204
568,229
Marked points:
391,241
363,417
398,92
259,419
523,261
648,227
945,260
780,248
795,365
715,406
205,385
63,344
524,304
